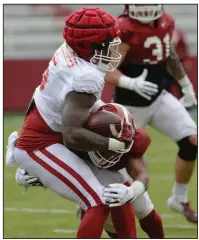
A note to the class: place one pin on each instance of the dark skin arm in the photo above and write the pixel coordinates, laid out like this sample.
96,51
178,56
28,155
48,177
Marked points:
174,66
75,114
137,169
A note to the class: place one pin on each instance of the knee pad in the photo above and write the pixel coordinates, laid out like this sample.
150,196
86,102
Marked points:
187,150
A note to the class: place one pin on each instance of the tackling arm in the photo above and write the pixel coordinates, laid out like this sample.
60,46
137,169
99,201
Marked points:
74,117
137,170
119,194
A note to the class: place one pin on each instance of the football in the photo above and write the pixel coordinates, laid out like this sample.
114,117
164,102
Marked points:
105,123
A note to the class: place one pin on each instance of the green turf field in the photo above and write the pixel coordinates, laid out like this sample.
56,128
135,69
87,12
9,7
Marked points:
43,214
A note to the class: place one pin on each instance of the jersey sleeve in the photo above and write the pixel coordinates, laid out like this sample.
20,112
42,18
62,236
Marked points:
141,143
91,82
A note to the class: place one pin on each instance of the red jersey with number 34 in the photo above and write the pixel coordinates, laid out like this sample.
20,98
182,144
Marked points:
149,44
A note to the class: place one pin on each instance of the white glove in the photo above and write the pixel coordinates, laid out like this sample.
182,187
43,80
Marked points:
25,179
139,85
189,99
118,194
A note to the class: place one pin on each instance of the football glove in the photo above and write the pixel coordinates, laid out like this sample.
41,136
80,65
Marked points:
25,179
118,194
139,85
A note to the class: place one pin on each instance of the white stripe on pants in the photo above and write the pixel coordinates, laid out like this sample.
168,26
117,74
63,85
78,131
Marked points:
65,173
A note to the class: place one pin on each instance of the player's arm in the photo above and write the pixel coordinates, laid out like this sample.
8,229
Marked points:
119,194
174,65
137,170
138,84
175,68
75,114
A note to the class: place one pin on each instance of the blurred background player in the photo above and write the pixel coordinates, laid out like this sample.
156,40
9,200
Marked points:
149,62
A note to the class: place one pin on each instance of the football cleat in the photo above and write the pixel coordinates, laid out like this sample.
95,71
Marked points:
183,208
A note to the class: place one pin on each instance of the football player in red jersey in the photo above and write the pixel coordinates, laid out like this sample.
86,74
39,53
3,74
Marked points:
149,61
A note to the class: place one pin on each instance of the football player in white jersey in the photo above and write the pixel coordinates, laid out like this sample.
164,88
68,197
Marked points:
59,109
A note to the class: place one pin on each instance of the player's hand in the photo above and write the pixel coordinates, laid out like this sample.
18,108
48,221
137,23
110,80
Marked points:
127,131
189,99
118,194
139,85
25,179
144,88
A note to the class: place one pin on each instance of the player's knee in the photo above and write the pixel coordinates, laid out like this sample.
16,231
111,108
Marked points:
188,147
194,140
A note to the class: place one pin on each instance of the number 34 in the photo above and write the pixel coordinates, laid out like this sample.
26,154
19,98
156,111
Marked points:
159,50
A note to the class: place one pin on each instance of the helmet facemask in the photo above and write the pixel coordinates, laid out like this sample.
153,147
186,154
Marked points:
102,161
145,13
107,57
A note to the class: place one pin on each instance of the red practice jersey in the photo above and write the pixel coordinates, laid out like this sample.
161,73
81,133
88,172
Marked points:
149,48
149,44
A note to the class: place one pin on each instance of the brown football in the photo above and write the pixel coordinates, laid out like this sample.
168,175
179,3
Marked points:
105,123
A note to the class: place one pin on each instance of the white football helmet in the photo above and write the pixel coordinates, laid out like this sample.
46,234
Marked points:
144,13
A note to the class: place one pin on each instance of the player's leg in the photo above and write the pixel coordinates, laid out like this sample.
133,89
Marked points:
121,217
67,175
150,221
173,120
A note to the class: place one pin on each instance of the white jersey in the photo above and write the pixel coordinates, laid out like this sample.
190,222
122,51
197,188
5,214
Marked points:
66,72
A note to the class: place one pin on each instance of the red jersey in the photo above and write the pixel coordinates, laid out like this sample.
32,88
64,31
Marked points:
149,44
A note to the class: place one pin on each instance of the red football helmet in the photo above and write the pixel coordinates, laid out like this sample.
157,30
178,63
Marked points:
101,159
144,13
94,35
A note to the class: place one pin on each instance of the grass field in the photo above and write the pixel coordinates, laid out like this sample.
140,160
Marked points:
42,214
